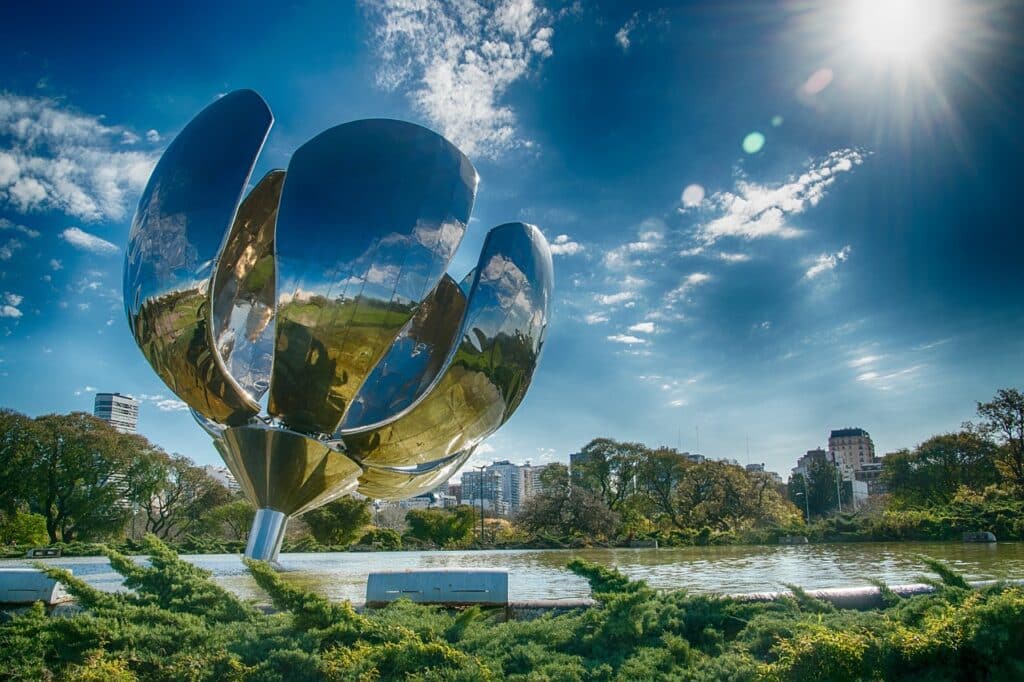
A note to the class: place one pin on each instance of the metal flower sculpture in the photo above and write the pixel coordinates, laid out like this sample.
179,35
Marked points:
311,326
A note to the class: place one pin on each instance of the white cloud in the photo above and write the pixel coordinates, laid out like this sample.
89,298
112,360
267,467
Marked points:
755,211
643,328
56,264
458,59
152,136
7,225
826,262
622,35
651,239
9,248
9,307
886,381
564,246
87,242
692,280
615,299
57,159
170,405
596,318
733,257
626,338
864,360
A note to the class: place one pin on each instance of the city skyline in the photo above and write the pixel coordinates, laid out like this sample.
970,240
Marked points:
761,233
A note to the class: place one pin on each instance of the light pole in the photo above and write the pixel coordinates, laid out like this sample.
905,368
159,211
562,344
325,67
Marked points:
839,495
807,498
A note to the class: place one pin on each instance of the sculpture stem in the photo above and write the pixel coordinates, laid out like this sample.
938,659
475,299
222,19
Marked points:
266,535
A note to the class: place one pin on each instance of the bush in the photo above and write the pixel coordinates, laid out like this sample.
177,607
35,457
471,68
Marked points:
23,528
381,538
176,623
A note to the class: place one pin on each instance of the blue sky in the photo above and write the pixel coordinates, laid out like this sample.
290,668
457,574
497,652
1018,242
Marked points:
769,219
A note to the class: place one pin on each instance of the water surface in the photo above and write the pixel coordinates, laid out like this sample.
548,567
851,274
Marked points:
541,573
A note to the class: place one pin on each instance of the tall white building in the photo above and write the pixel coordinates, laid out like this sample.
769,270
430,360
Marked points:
484,489
223,476
121,411
850,449
510,479
530,484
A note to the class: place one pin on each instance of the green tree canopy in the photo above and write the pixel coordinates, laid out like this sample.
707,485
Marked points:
820,488
184,493
78,472
564,510
1002,419
231,520
609,468
932,473
340,522
441,526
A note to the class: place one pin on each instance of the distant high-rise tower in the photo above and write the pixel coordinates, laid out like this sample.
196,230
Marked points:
121,411
850,449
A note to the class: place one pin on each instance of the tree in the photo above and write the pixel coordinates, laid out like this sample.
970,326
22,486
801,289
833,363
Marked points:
1002,418
18,437
391,517
339,522
566,510
441,526
184,493
820,488
232,519
658,476
609,468
81,474
22,528
725,497
938,467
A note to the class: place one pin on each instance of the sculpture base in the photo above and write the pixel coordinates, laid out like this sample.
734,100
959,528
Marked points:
267,533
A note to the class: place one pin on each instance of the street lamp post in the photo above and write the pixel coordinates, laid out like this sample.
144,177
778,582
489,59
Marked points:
807,499
839,494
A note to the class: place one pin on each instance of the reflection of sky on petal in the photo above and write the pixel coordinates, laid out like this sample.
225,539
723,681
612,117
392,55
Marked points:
488,374
370,216
191,197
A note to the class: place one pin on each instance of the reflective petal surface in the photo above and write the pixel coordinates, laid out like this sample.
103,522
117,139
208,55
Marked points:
414,360
385,483
285,471
500,341
176,235
371,214
244,288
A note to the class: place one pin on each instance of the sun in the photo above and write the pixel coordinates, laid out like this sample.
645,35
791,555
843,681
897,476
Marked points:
895,32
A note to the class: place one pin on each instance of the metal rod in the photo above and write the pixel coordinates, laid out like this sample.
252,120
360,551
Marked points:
267,532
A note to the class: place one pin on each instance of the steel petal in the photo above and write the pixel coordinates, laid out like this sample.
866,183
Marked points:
501,338
371,214
244,290
413,362
176,235
385,483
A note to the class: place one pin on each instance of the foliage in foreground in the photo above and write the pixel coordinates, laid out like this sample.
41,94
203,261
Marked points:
179,625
